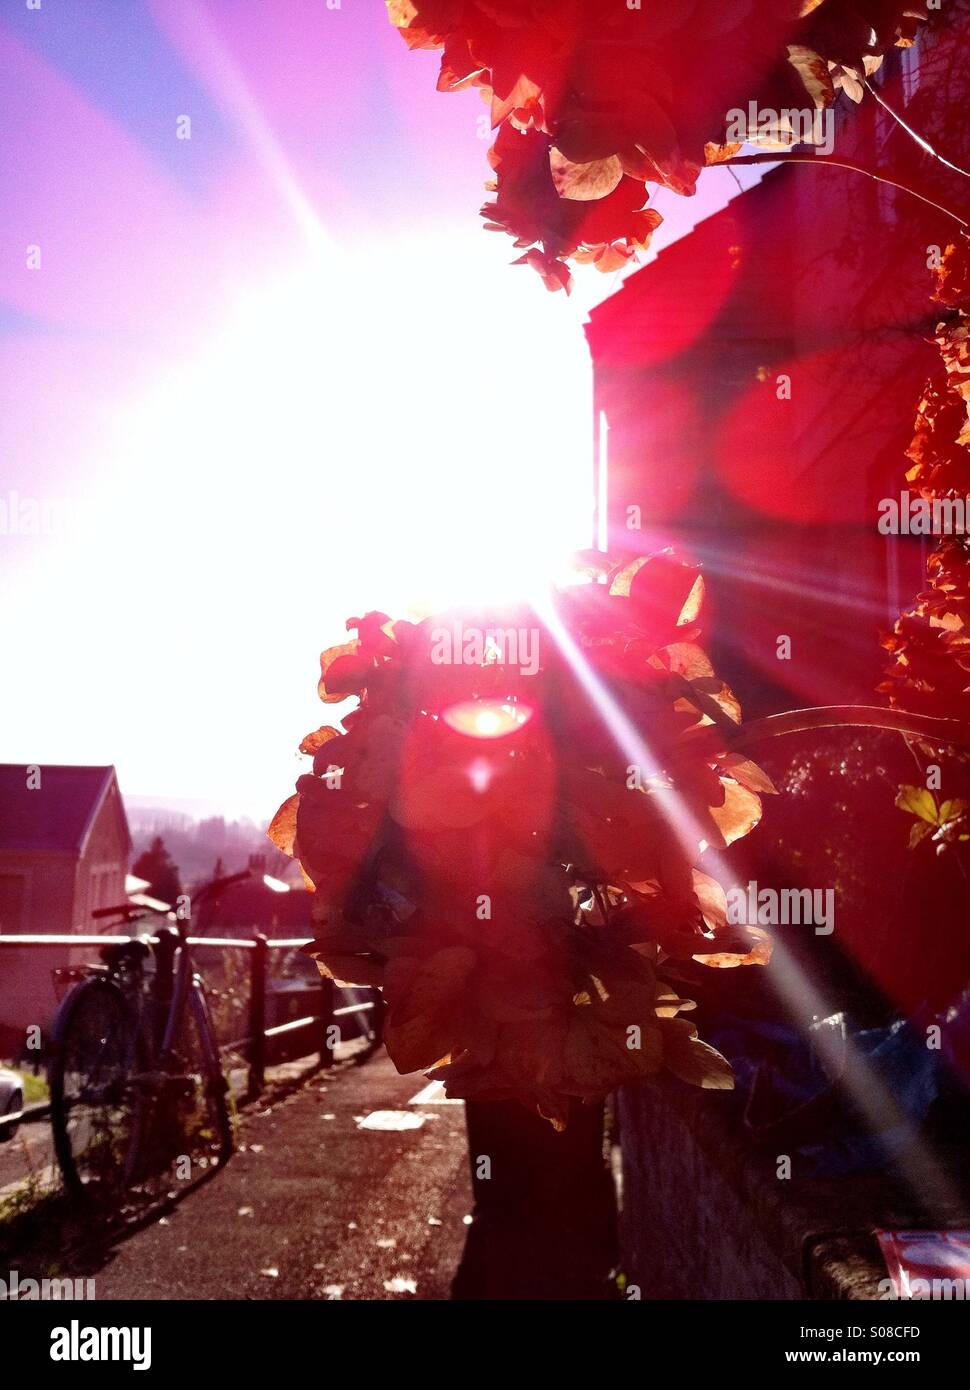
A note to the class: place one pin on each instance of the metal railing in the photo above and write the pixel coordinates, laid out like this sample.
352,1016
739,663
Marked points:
254,1044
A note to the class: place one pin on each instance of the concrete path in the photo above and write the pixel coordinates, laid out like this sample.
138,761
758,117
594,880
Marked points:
320,1202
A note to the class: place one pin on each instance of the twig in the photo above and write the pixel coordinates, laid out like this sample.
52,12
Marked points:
852,166
943,732
921,140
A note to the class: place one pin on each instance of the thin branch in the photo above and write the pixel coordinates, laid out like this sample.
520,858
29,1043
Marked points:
943,732
852,166
921,140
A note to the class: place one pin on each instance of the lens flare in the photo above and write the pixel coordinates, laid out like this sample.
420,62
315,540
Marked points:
486,718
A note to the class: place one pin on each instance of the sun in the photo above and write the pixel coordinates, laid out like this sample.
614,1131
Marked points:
366,432
374,428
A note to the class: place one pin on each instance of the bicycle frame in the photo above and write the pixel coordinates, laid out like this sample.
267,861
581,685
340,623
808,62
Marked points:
175,976
178,985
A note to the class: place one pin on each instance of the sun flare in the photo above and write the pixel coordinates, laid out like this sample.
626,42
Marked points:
336,439
301,418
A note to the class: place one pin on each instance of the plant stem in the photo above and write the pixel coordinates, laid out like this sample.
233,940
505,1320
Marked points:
943,732
921,140
852,166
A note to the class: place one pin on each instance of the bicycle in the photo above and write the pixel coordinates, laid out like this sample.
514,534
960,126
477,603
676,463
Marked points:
136,1083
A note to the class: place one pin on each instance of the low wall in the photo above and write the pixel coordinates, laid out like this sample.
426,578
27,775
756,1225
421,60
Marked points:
704,1216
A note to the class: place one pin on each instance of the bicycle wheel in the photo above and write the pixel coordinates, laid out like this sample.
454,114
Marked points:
197,1124
97,1111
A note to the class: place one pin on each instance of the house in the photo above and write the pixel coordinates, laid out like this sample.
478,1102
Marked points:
755,388
260,903
64,849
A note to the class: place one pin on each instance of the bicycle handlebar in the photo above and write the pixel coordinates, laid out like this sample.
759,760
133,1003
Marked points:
134,912
217,884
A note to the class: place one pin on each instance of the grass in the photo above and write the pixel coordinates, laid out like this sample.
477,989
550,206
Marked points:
23,1206
25,1198
34,1086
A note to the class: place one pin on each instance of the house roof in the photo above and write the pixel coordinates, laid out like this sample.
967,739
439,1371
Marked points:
694,282
57,816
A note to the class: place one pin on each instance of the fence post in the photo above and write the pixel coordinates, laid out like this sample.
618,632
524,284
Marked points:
326,1020
257,1016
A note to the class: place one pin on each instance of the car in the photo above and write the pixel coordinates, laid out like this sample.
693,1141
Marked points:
11,1102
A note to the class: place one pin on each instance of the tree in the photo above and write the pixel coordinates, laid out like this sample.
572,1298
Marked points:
156,865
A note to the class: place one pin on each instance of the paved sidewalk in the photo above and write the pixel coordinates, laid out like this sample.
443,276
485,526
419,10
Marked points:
314,1205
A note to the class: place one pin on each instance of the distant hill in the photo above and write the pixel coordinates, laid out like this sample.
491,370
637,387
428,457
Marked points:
197,842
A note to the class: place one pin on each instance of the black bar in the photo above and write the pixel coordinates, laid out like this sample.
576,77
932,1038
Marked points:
219,1333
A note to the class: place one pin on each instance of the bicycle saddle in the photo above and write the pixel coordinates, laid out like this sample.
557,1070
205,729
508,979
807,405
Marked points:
129,950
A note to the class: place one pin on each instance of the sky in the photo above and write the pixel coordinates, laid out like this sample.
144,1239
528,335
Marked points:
261,369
